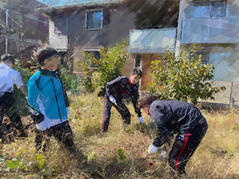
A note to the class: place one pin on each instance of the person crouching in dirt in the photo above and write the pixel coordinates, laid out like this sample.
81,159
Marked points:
180,118
8,78
122,88
48,102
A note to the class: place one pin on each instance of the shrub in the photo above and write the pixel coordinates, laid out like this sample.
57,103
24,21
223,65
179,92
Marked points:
182,78
68,78
111,63
26,73
107,68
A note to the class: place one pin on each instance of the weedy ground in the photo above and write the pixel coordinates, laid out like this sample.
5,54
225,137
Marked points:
122,152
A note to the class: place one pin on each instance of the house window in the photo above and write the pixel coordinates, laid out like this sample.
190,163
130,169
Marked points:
137,61
206,9
94,19
92,57
200,9
204,56
218,9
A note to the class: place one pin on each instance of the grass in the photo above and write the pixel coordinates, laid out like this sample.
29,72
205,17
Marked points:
122,152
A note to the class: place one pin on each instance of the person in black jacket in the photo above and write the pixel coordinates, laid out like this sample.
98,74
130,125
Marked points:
175,117
122,88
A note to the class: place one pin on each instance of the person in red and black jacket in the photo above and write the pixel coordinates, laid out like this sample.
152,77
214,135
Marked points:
122,88
175,117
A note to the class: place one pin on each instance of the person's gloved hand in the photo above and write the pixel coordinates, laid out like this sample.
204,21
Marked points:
152,149
163,154
112,99
141,119
36,115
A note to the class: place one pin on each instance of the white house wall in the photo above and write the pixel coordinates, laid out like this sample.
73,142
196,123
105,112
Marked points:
58,39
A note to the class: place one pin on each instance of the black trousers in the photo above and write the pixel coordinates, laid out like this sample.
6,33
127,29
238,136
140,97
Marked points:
62,132
6,102
183,150
121,108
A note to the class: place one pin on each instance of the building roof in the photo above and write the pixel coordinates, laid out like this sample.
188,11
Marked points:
64,4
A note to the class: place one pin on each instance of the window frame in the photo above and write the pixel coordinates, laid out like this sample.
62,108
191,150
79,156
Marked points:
86,19
197,3
210,4
197,53
224,9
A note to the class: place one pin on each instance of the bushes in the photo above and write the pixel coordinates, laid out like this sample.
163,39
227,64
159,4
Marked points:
68,78
111,63
109,66
26,73
182,78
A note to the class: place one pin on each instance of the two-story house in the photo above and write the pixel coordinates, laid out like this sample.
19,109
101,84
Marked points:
79,27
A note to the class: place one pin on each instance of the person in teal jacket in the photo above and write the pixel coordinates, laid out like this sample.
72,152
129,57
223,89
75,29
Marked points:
48,102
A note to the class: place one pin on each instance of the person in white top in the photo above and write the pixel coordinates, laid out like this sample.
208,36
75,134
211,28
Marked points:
8,78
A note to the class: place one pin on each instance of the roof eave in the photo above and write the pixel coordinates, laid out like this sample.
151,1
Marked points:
49,10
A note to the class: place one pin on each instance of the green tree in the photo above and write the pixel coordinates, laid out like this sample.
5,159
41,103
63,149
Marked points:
107,68
182,78
111,62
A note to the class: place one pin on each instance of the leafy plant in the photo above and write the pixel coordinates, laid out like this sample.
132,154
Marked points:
182,78
91,156
68,78
111,63
109,66
13,164
41,161
121,154
26,73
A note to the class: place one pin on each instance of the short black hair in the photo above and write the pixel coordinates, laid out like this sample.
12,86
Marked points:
7,58
45,53
137,71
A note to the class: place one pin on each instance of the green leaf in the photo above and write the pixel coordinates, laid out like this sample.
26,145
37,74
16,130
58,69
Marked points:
121,154
12,164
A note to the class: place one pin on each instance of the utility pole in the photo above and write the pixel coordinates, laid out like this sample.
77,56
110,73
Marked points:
21,40
6,39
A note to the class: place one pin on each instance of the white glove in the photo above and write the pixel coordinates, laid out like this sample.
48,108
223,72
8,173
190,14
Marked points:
163,155
112,99
141,119
152,149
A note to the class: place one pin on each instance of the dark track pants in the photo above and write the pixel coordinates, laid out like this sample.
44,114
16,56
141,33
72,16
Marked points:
62,132
6,102
121,108
183,150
